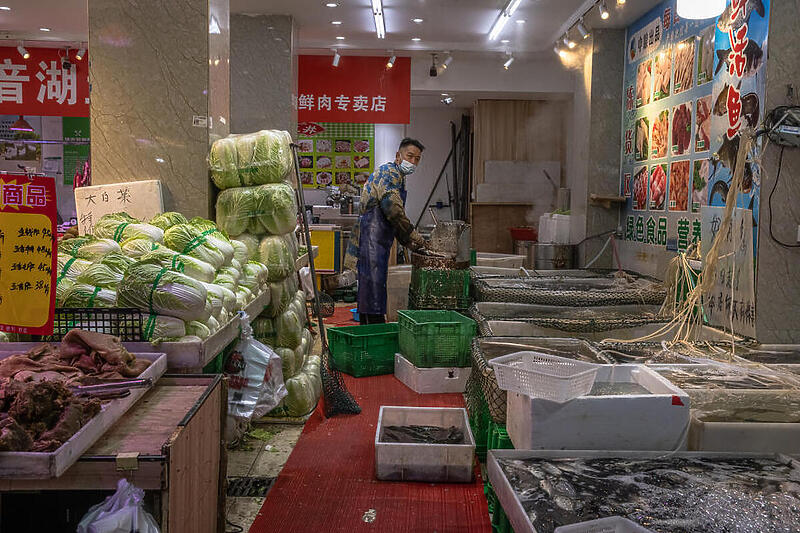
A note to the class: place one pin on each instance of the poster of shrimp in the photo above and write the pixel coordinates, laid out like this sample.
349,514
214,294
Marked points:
692,87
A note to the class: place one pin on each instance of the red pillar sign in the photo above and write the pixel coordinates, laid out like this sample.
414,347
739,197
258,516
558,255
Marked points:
28,254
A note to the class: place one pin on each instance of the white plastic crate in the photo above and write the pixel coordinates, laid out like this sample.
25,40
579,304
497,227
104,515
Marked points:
397,283
611,524
655,421
544,376
448,463
430,380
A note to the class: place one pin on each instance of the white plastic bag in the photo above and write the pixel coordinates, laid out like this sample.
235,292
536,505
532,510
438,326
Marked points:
121,512
307,282
254,376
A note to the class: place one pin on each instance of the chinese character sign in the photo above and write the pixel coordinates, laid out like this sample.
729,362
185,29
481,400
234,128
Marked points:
335,154
140,199
731,302
42,85
27,254
359,90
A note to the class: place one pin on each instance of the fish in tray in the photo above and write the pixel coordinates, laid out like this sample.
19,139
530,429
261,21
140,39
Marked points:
669,494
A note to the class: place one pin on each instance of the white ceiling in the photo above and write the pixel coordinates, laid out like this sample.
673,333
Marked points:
454,25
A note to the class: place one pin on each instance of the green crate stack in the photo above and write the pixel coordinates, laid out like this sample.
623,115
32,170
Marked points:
364,350
500,522
497,437
430,339
439,289
479,424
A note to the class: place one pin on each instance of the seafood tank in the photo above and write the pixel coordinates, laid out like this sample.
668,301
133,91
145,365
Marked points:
678,493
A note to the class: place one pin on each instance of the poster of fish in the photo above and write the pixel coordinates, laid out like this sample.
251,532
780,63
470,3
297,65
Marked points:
690,87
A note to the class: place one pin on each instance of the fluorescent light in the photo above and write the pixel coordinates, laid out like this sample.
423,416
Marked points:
706,9
416,39
582,29
569,43
390,63
23,52
417,21
520,21
21,125
336,22
5,8
336,58
80,54
504,41
44,29
331,4
505,15
340,38
377,14
604,14
508,62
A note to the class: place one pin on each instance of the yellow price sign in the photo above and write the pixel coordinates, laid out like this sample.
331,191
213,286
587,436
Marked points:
27,254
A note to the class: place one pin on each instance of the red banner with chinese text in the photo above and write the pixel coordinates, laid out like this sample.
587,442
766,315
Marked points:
40,85
359,90
27,254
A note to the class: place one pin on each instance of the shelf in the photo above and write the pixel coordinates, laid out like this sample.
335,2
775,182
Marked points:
606,200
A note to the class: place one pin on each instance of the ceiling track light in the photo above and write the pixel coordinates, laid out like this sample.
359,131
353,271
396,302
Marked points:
377,14
505,15
23,52
620,2
569,43
336,58
81,53
508,62
447,62
582,29
604,14
390,63
560,52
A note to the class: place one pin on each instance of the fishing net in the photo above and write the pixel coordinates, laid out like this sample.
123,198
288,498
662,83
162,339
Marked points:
570,291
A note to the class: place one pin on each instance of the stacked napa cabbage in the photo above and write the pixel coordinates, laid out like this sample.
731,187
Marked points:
250,159
270,209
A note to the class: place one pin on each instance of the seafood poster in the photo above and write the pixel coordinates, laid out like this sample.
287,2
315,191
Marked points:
690,87
335,153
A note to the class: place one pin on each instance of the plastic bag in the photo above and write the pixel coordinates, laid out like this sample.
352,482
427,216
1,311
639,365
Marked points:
255,379
121,512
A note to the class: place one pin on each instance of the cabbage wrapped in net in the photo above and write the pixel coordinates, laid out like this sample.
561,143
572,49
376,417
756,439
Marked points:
304,390
83,295
263,209
222,160
252,242
160,328
158,290
280,296
197,329
236,265
271,157
289,330
63,285
302,350
264,330
121,228
240,251
167,220
289,365
254,276
136,248
292,243
70,267
89,248
243,296
274,254
224,295
117,261
227,283
215,236
230,272
189,240
308,341
213,325
298,305
185,264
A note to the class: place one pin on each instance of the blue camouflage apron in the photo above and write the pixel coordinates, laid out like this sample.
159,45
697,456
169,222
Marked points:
375,244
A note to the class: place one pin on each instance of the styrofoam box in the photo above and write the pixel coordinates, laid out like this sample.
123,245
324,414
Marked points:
657,421
451,463
430,380
397,283
499,260
611,524
554,228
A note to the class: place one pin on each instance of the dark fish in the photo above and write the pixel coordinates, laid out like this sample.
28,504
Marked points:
725,22
726,155
751,109
720,188
753,55
721,103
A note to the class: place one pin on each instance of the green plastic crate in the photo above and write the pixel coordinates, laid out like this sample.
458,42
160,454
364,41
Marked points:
364,350
500,522
439,289
430,339
479,424
497,438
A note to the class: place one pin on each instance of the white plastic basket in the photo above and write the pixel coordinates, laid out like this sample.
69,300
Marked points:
544,376
612,524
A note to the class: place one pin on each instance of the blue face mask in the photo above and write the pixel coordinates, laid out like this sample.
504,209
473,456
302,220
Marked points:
407,168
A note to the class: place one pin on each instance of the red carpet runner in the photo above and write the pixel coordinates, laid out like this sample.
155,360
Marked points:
329,482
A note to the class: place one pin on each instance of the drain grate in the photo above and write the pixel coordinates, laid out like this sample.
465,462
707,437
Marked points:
254,487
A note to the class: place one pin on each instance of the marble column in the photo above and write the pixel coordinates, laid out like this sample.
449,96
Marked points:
263,73
160,94
778,267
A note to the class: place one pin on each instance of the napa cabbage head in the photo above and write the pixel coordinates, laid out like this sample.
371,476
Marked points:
158,290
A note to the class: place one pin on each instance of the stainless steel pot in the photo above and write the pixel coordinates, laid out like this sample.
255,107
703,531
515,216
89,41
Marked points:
553,256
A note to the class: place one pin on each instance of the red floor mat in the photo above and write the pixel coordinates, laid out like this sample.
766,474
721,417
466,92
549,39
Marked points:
342,316
329,481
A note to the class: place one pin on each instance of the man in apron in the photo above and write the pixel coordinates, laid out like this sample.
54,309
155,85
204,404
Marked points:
383,218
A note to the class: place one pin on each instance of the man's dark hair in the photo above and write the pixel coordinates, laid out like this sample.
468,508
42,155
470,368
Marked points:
411,142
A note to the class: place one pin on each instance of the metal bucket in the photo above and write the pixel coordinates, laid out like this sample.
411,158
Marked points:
553,256
528,250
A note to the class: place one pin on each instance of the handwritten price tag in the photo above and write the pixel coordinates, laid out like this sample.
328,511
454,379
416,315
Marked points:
27,254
